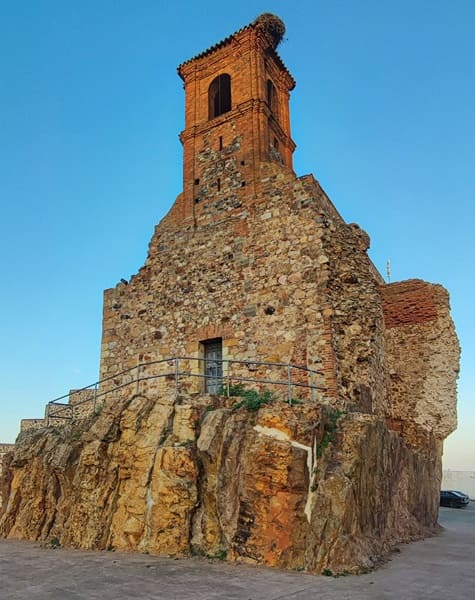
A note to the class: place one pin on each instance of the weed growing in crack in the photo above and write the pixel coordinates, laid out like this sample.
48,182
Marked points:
251,399
329,430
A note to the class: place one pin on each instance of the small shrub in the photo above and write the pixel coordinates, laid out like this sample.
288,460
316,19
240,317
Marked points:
220,555
234,390
251,399
329,430
327,572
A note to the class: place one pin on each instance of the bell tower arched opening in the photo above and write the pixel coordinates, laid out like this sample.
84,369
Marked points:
219,96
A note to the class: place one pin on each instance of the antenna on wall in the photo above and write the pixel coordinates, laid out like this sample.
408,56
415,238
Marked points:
388,270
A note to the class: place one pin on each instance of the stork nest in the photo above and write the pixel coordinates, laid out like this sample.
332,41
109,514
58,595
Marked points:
273,27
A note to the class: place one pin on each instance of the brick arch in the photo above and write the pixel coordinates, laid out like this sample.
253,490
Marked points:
209,332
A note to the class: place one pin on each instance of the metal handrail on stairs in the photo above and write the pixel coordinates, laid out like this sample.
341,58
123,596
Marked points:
137,374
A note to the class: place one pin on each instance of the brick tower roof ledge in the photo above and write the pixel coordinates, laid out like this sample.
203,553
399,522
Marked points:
271,24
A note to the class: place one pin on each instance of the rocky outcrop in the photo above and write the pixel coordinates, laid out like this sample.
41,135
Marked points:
273,486
253,272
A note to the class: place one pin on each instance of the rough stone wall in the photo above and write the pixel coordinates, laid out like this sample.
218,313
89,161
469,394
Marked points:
83,402
423,357
287,249
266,262
26,424
6,451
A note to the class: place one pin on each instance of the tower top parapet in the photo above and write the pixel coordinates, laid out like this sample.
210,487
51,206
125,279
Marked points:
271,28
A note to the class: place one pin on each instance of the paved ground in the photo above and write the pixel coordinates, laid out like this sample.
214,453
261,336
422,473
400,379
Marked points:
440,568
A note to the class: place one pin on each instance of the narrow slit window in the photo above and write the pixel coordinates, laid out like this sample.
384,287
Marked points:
272,99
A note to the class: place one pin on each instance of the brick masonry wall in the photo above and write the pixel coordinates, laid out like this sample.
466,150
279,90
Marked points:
223,154
408,303
423,357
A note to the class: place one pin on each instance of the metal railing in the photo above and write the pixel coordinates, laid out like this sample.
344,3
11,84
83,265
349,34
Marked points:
178,369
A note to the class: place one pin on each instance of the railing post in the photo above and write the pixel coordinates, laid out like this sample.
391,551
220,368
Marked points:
228,379
176,377
289,378
47,414
94,400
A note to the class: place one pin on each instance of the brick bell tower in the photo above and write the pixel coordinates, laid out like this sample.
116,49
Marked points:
236,118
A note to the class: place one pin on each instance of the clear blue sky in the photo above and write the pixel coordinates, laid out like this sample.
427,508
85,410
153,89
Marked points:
90,111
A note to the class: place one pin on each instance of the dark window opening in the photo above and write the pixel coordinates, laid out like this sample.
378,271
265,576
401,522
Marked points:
220,142
197,181
272,98
218,184
243,162
219,96
213,365
243,184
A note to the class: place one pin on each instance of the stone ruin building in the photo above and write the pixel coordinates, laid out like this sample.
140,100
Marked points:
265,396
